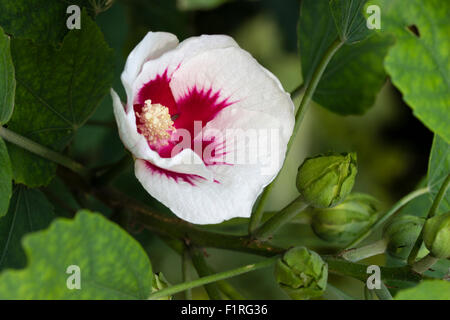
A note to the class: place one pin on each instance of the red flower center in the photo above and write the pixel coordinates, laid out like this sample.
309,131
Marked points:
198,107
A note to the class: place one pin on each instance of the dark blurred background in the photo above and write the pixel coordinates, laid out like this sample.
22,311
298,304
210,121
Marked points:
392,145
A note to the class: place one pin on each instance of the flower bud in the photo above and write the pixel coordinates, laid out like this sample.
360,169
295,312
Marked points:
324,181
345,221
301,273
436,235
159,283
401,234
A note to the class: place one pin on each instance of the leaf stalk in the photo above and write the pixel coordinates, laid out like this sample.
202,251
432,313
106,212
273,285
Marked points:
256,217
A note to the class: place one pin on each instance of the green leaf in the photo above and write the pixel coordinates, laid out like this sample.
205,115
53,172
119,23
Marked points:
418,207
29,211
199,4
354,75
5,179
40,20
438,169
316,32
439,270
350,20
57,90
419,64
7,79
112,264
427,290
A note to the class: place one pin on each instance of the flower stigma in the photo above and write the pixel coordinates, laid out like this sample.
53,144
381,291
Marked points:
155,123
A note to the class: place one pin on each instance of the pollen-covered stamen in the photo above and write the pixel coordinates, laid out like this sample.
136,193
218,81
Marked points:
155,123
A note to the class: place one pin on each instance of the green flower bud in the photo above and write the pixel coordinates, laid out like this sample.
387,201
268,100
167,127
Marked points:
301,273
324,181
159,283
345,221
436,235
401,234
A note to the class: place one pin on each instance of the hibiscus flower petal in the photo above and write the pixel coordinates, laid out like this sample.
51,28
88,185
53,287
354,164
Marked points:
152,46
171,60
238,77
204,203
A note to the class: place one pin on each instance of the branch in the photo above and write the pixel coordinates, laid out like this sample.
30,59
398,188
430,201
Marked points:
44,152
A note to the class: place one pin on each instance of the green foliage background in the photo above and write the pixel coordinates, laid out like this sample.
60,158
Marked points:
62,106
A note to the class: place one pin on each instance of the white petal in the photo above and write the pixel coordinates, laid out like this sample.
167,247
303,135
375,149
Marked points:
152,46
186,161
238,77
187,49
206,203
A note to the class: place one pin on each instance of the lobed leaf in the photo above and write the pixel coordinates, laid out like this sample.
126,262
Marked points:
112,264
350,20
57,91
419,63
355,74
39,20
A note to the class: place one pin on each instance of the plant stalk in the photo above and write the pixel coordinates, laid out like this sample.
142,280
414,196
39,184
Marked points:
298,91
228,290
333,293
403,201
212,278
44,152
266,230
368,294
255,219
199,262
185,259
439,197
203,269
373,249
424,264
383,293
431,213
